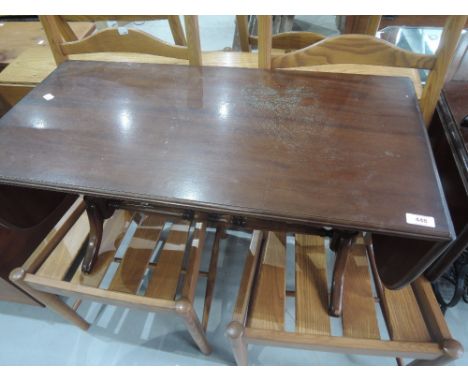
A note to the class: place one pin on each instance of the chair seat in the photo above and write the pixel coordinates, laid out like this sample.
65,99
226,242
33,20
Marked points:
141,255
412,324
145,261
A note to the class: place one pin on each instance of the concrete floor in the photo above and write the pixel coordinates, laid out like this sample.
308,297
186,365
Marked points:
118,336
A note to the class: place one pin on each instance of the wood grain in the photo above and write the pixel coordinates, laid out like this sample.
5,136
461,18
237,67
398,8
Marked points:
329,169
243,30
64,288
420,350
135,41
268,301
264,41
194,261
246,285
59,261
291,40
177,30
311,286
359,311
124,40
430,310
353,49
130,271
165,278
435,81
406,322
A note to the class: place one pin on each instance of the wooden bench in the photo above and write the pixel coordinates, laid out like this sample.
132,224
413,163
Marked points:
145,262
416,327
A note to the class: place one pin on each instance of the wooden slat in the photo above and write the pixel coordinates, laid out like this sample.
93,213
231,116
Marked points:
135,41
291,40
114,228
245,287
405,320
353,49
64,288
54,237
163,283
130,272
359,313
264,41
419,350
59,261
430,308
193,266
267,310
311,286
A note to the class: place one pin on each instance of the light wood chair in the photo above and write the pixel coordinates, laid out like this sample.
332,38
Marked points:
121,39
283,40
173,20
292,40
368,50
414,326
146,261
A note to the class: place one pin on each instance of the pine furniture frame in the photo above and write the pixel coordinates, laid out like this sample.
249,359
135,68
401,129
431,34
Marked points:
157,272
414,322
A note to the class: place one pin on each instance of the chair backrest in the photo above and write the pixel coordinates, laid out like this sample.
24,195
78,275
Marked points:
124,40
368,50
293,40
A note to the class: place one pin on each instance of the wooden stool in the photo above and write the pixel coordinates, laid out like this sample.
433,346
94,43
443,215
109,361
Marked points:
157,262
415,324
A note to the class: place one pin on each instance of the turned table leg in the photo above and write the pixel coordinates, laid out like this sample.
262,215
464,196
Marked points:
98,211
341,244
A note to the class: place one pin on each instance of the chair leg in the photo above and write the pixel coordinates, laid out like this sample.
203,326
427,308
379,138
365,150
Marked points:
451,351
211,277
342,245
235,331
185,309
51,301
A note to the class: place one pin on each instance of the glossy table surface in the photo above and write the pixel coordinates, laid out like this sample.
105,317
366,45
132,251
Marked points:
339,150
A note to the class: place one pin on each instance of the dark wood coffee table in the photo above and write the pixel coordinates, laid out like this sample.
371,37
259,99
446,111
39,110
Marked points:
331,154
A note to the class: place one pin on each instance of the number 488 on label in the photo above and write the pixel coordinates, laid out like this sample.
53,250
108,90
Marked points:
425,221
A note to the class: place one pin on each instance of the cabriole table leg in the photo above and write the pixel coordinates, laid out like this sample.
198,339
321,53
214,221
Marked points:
341,243
97,210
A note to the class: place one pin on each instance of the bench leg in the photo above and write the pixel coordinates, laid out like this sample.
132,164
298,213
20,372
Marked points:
185,309
341,244
235,331
51,301
451,351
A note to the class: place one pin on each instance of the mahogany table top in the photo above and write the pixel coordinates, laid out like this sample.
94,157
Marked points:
341,150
